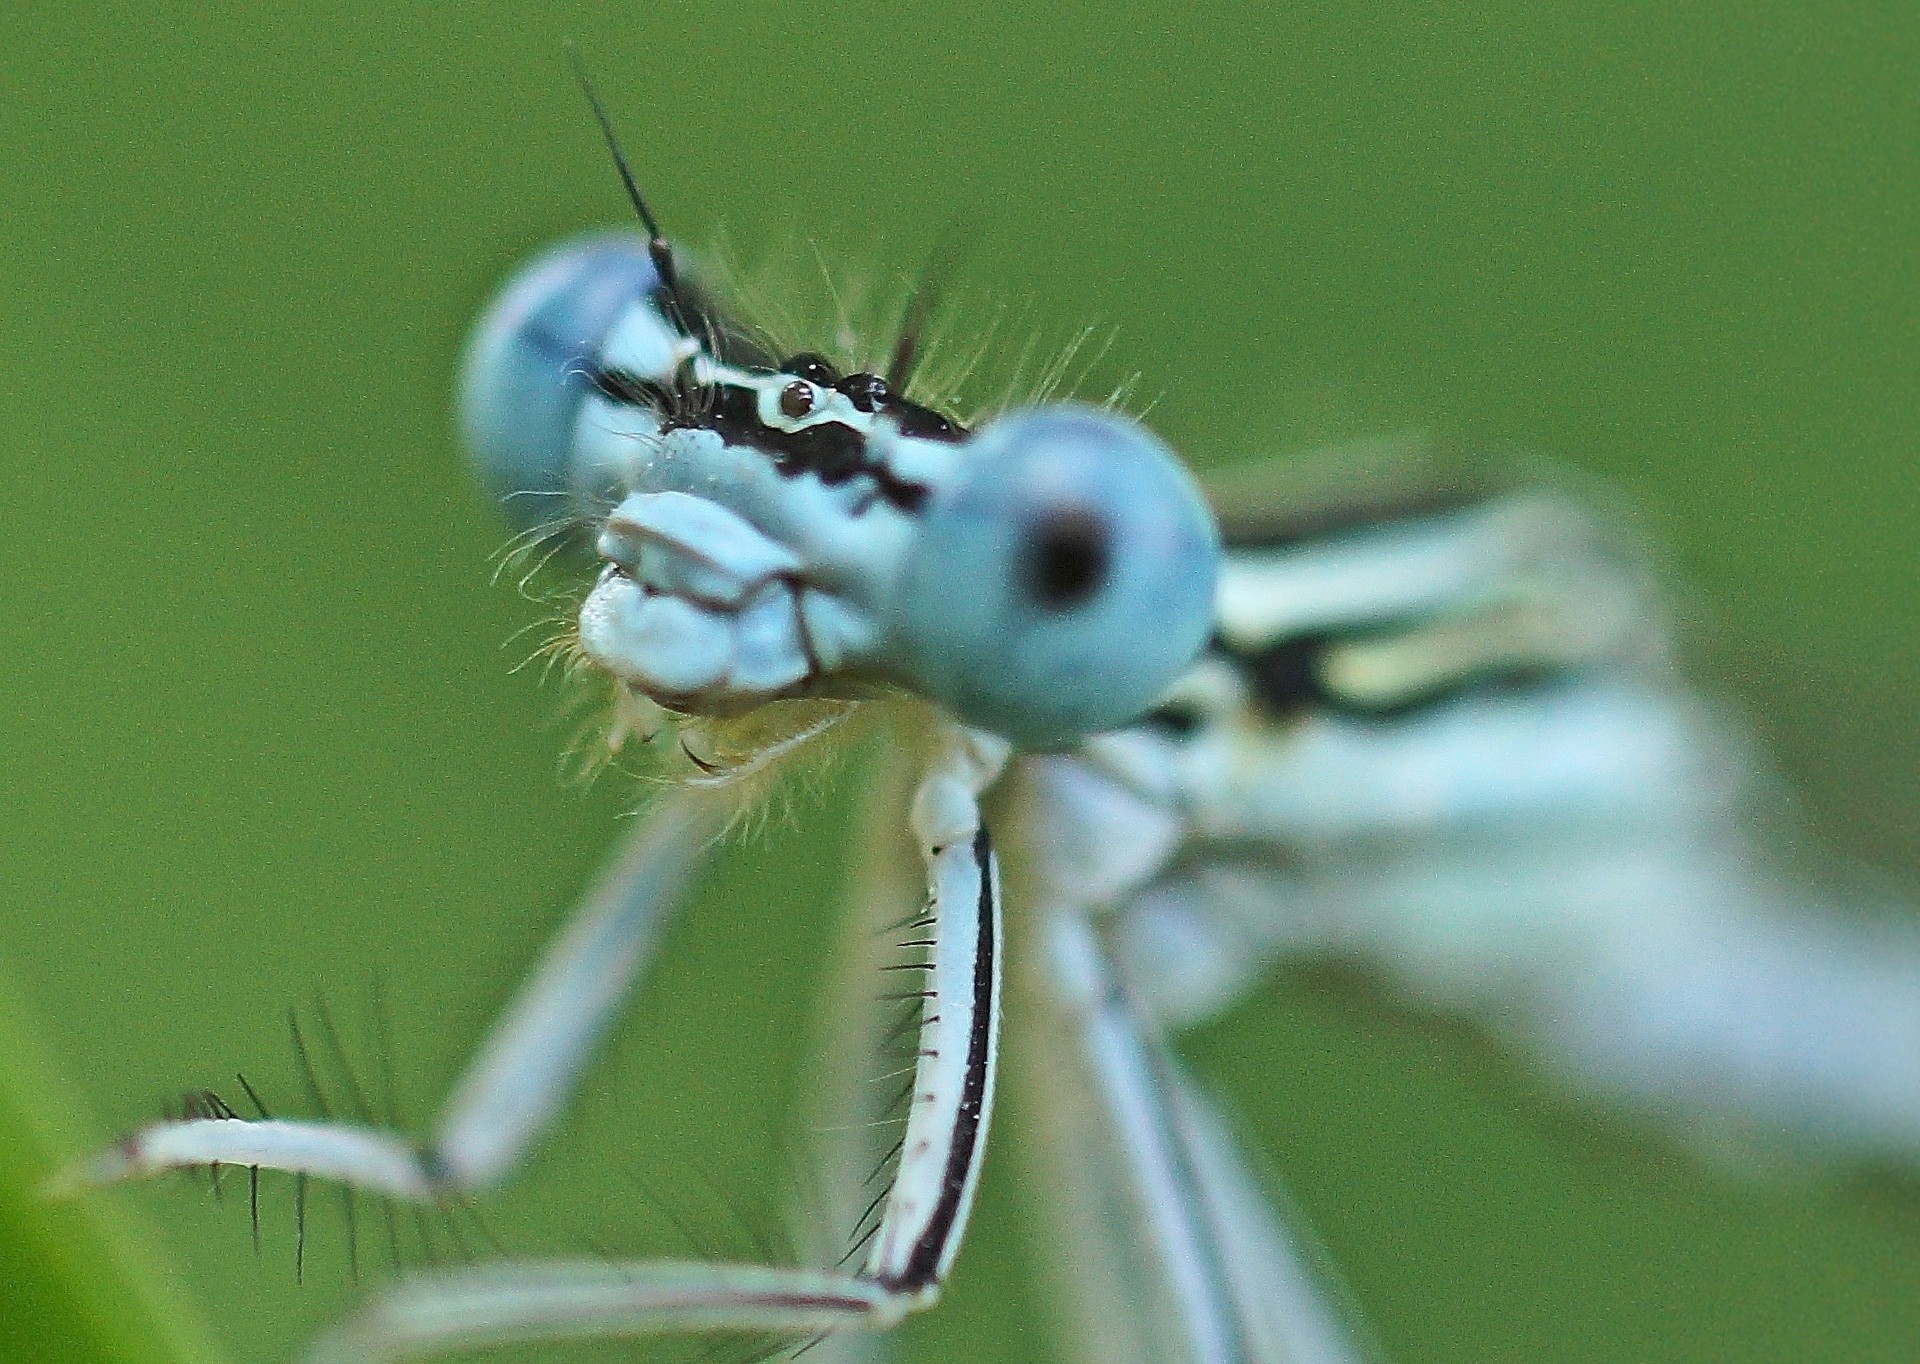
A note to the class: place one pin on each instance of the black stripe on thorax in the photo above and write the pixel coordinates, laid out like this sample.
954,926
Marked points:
1287,674
1288,678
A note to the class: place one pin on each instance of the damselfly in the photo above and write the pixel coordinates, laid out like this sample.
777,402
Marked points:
1427,721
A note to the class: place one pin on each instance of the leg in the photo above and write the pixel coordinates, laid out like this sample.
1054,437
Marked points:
1168,1248
1293,1312
849,1113
523,1074
922,1217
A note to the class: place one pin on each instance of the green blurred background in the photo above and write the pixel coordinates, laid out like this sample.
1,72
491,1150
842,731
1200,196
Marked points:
262,736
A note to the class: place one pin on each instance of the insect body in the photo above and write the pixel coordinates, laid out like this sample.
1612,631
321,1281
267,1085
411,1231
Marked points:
1439,731
784,531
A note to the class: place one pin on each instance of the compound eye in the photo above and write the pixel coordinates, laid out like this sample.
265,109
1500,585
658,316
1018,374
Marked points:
1063,582
1067,555
529,369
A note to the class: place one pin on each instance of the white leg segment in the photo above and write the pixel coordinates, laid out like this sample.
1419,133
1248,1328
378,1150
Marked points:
959,1034
1178,1257
1292,1307
481,1306
521,1078
537,1049
378,1162
925,1212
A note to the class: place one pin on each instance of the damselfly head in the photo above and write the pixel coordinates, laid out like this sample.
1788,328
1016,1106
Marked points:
778,526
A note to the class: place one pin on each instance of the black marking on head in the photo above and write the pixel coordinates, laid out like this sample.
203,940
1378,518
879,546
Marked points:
923,422
831,451
867,392
1066,558
815,369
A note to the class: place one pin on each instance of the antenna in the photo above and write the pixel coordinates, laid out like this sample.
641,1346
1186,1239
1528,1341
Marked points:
921,303
658,251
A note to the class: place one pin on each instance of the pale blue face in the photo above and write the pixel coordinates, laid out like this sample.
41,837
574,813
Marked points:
1064,582
1046,576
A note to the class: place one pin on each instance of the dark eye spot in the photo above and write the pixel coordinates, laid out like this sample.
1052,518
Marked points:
796,399
1067,558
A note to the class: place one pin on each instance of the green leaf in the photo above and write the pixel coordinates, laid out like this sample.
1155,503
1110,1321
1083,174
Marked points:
79,1283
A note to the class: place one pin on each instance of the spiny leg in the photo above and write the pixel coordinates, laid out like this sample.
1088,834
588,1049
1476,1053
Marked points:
521,1077
924,1212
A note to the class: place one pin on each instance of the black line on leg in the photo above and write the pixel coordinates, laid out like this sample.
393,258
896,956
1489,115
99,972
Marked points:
337,1053
923,1262
357,1101
308,1074
253,1096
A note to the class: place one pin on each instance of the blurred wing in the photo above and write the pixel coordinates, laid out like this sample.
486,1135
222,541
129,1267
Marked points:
1440,733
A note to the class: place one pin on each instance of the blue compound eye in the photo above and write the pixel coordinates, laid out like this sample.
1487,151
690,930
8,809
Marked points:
528,369
1064,582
